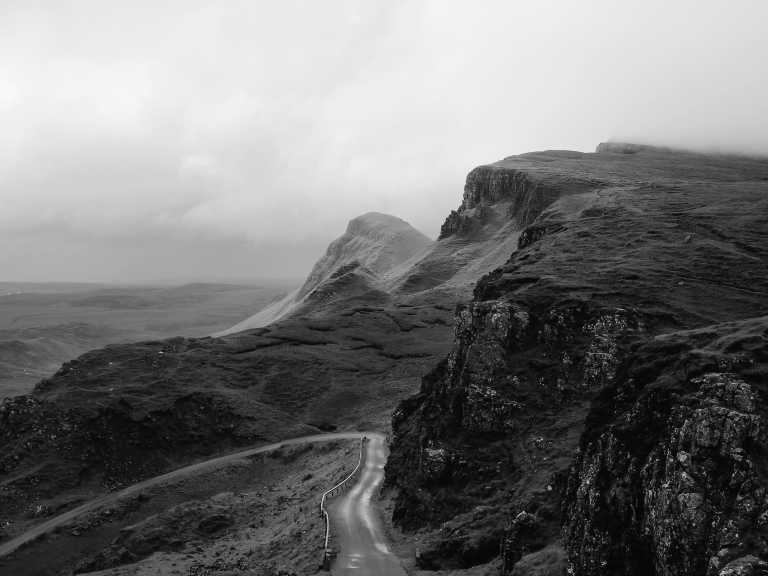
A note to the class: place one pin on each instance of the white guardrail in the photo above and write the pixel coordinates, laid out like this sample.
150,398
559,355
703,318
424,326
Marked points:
328,553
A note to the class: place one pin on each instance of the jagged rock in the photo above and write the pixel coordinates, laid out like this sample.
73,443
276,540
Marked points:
745,566
530,235
538,373
524,535
670,482
522,194
434,462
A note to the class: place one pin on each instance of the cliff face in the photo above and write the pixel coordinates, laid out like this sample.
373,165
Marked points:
644,244
670,478
498,192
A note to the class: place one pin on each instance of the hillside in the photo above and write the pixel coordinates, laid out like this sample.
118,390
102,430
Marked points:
128,411
375,314
602,409
42,325
373,247
593,332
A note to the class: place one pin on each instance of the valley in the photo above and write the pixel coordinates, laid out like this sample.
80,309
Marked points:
43,325
250,511
573,374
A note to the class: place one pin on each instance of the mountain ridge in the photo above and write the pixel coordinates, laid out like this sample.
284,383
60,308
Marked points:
573,298
528,435
373,245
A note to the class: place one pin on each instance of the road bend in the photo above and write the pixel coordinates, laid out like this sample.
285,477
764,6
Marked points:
357,530
108,499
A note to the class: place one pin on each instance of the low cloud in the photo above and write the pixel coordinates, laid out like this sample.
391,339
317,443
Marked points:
194,140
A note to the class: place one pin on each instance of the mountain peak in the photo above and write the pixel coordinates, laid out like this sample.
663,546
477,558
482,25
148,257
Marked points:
375,241
358,261
379,223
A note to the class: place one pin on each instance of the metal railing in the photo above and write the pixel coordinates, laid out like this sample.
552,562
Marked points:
328,553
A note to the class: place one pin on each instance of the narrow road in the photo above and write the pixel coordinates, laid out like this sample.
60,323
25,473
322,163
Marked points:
63,519
357,530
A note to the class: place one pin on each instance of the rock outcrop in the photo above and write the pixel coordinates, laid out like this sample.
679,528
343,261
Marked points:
600,409
515,419
497,192
669,479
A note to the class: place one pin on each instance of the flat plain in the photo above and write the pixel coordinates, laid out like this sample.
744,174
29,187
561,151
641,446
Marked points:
43,325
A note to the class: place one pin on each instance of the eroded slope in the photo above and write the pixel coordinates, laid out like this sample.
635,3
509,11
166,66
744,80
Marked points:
658,242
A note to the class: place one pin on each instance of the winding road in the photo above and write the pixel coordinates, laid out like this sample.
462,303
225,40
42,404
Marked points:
63,519
357,530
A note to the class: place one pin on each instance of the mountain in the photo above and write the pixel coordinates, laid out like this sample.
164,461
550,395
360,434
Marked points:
359,262
374,244
340,358
383,259
603,407
577,369
374,314
43,325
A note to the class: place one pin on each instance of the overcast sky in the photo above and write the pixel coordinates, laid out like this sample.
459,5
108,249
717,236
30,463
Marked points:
149,140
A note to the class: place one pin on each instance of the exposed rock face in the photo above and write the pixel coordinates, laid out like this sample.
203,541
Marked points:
488,415
670,476
381,258
554,408
601,408
524,194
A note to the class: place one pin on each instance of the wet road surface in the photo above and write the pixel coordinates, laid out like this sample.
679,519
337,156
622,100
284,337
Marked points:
357,531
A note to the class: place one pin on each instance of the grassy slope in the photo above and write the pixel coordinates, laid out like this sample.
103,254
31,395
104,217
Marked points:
130,411
44,325
674,240
254,516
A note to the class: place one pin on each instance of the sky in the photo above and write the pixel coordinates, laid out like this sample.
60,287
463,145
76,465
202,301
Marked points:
186,140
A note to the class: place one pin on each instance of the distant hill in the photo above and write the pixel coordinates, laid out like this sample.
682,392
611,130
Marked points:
43,325
373,247
576,366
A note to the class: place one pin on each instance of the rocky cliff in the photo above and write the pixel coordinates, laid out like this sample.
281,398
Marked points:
535,438
501,192
670,477
600,402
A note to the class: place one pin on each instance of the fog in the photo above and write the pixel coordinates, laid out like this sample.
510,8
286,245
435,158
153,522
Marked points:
160,141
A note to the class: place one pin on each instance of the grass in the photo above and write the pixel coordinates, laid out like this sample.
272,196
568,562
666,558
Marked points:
44,325
255,516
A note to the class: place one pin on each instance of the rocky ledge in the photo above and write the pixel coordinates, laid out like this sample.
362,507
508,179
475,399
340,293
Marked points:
585,420
669,478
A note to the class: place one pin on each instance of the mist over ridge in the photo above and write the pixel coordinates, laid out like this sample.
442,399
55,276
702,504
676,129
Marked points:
239,139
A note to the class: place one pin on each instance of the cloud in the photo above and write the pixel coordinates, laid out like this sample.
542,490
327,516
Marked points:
166,134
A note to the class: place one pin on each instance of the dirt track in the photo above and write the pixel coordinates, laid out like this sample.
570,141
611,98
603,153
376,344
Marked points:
207,465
